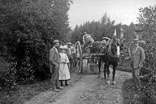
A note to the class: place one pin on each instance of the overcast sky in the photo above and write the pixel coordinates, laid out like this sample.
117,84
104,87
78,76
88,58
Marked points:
122,11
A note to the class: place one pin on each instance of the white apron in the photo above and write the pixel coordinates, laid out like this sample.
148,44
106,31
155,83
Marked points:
64,70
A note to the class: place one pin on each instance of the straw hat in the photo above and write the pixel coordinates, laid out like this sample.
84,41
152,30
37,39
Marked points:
56,41
69,43
63,47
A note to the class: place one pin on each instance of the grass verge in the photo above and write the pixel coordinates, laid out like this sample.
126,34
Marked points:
23,93
124,68
131,96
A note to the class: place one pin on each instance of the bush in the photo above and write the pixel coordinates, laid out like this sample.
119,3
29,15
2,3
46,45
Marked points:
8,79
147,22
27,28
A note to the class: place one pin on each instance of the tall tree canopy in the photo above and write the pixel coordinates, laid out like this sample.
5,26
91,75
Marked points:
96,28
102,28
27,28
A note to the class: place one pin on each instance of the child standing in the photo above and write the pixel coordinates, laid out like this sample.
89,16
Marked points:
64,74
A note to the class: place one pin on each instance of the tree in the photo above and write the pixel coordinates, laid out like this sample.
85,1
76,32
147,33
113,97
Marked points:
98,29
147,19
27,28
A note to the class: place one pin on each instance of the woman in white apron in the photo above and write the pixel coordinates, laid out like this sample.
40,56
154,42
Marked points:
64,74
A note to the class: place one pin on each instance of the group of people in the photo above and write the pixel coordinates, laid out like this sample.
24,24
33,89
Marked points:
136,55
59,61
59,65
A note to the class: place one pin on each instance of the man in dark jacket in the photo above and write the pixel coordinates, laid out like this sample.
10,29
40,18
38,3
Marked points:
54,59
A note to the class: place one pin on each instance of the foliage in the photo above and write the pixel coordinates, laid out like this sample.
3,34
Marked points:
97,29
129,33
27,28
131,96
147,19
102,28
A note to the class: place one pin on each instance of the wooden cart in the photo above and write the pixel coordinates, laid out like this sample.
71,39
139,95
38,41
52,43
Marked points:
91,52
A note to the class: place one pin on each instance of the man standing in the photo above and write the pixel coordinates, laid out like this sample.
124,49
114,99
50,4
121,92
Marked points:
69,54
137,56
54,65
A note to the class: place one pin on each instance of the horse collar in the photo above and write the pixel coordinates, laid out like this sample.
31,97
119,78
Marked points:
110,51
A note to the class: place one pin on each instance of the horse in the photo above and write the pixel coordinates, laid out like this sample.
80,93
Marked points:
110,57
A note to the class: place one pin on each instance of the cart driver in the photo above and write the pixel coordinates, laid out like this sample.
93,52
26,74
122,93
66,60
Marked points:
87,39
106,40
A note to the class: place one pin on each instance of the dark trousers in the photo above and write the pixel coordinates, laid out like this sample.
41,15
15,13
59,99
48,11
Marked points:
55,77
70,62
135,75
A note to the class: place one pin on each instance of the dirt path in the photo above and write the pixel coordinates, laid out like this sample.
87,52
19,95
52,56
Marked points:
87,90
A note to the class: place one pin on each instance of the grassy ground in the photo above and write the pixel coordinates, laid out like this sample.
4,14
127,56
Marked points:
22,93
132,96
124,68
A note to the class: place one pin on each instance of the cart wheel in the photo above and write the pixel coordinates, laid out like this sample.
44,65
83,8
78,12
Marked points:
79,56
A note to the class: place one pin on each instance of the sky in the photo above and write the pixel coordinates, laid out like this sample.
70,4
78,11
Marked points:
122,11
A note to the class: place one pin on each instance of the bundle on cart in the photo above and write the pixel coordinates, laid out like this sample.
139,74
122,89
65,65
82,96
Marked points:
96,47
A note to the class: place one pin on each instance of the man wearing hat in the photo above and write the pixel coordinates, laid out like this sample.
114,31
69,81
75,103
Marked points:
87,39
54,65
69,53
137,57
106,40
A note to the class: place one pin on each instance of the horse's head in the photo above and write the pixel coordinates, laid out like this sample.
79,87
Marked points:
115,47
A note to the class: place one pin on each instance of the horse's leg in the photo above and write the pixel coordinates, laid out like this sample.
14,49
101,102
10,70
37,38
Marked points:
104,71
108,72
99,65
88,63
113,77
78,64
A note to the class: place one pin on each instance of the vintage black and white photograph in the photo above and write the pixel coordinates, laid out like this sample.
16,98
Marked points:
77,51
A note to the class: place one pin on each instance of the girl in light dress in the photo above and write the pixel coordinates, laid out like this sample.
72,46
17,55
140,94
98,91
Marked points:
64,74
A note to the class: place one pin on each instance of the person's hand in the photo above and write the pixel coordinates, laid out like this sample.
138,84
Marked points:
127,58
140,66
56,65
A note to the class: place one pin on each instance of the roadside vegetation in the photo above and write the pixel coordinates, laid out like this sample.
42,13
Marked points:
27,29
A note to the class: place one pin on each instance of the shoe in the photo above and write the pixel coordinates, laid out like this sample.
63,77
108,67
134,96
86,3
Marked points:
62,85
66,84
55,90
59,87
